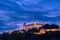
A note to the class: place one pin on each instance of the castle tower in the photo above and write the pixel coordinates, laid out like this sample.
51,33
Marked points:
24,26
34,23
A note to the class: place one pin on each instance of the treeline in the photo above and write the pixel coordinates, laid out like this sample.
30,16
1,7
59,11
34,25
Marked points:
48,26
29,35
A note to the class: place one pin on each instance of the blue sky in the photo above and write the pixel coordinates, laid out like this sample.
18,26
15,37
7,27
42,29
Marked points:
13,13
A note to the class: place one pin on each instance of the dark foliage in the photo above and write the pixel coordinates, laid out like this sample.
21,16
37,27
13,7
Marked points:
47,26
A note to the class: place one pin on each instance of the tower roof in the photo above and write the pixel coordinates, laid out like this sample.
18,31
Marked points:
34,21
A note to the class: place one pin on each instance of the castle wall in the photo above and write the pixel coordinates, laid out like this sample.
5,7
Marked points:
39,26
32,26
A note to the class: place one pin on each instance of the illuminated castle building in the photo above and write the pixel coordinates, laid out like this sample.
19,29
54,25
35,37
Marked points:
33,25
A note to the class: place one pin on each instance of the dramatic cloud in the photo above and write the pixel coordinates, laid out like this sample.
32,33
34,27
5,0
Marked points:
13,13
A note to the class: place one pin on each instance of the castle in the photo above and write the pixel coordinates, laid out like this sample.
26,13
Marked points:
33,25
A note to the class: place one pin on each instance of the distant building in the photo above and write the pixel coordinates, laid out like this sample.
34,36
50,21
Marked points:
33,25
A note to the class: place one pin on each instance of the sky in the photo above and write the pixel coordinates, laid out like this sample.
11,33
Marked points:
13,13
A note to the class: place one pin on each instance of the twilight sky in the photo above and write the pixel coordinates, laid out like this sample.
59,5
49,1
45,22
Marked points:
13,13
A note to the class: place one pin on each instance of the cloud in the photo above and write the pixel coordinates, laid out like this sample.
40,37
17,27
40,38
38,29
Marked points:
4,17
53,14
13,13
8,26
51,6
1,11
25,17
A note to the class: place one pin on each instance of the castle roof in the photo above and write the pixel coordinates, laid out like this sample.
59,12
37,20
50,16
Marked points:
33,24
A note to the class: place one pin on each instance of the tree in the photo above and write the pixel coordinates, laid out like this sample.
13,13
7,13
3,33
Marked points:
54,26
46,26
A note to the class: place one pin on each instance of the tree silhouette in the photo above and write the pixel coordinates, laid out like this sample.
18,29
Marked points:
46,26
54,26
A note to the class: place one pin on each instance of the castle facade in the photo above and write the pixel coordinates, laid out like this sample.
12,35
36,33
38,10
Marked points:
33,25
